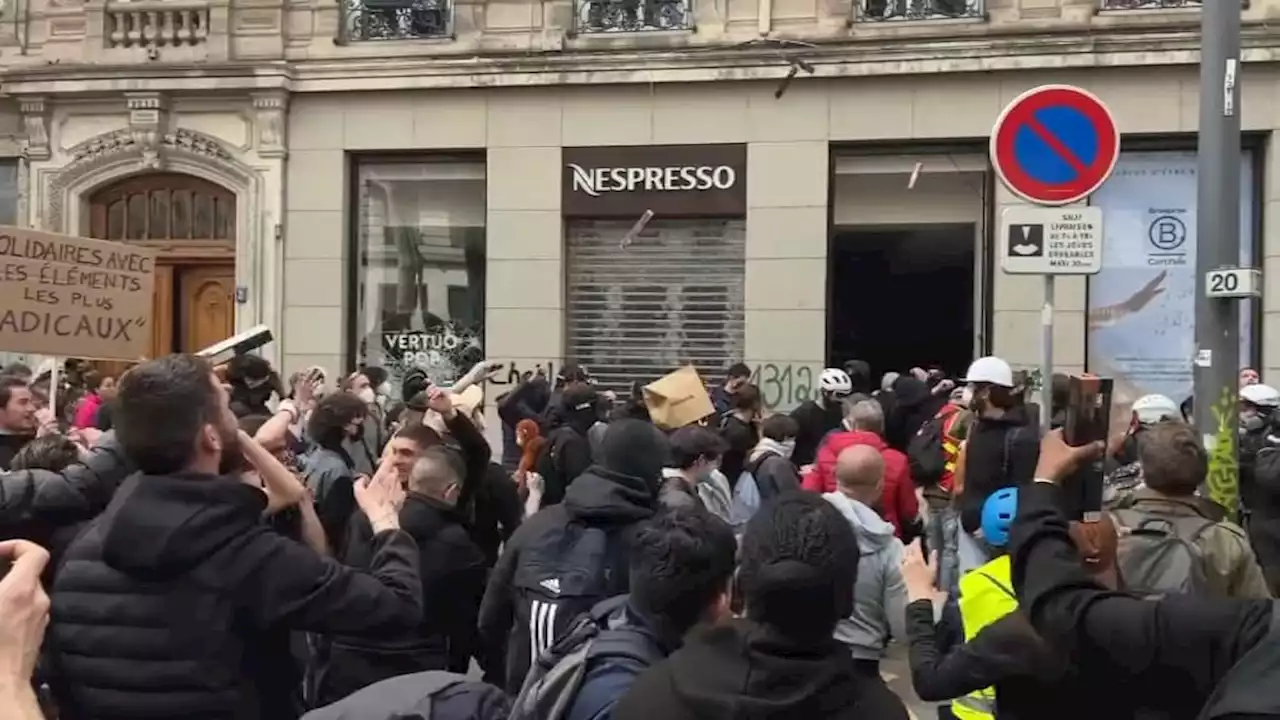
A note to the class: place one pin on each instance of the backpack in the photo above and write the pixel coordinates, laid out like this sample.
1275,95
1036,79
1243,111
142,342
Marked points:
550,464
1158,554
431,695
557,674
747,496
926,454
563,573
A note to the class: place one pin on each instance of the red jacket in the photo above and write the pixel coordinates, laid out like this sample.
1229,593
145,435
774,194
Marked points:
898,504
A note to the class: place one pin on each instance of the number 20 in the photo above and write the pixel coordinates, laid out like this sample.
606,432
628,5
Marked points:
1224,282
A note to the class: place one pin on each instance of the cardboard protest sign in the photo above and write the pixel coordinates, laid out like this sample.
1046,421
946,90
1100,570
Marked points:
678,399
75,297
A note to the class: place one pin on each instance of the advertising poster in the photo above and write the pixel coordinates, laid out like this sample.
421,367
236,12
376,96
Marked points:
1142,305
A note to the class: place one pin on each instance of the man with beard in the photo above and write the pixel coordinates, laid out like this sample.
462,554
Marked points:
161,603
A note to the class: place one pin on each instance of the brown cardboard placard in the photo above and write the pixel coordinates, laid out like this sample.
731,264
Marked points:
680,398
75,297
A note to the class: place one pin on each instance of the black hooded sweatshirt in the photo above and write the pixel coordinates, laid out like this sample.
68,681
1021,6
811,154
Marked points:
741,670
160,605
613,496
914,405
1000,452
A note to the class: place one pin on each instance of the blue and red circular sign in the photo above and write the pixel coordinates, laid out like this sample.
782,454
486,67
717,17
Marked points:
1055,145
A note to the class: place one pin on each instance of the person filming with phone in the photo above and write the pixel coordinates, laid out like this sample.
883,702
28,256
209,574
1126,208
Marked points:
1179,657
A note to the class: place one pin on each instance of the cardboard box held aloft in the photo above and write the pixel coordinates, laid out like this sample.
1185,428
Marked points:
678,399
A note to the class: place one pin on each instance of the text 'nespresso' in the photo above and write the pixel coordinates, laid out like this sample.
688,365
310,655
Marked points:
594,181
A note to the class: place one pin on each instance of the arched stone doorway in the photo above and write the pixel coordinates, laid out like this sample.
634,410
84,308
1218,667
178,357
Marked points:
191,223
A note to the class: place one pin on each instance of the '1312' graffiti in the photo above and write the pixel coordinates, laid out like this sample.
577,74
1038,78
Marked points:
783,386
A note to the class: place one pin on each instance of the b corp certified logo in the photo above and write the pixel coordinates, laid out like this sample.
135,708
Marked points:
1167,233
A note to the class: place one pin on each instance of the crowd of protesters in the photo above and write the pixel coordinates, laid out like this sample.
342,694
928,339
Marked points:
199,542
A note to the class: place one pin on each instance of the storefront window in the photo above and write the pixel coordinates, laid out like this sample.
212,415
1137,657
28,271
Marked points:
421,254
1142,304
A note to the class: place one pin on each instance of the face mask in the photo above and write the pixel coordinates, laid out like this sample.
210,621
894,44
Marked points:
384,389
966,397
366,395
788,447
1252,421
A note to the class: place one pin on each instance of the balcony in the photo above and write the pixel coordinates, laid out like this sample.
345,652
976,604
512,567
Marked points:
1150,4
396,19
153,25
889,10
629,16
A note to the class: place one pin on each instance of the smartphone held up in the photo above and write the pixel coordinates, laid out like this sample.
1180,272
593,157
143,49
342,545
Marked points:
1088,414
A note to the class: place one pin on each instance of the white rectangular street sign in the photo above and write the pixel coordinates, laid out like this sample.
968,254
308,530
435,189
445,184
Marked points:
1233,282
1051,240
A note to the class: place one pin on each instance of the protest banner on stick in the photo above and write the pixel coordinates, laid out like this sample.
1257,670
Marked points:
75,297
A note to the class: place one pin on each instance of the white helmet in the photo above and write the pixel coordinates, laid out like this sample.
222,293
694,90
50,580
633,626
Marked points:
835,381
1260,395
1151,409
991,370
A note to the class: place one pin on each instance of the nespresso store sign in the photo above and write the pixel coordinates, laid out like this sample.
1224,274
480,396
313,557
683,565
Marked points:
670,180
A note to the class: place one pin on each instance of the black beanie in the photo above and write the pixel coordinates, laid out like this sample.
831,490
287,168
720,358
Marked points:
635,448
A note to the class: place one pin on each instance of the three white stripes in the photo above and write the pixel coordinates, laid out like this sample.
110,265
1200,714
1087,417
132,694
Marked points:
542,628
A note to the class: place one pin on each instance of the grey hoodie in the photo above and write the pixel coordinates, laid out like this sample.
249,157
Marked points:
880,595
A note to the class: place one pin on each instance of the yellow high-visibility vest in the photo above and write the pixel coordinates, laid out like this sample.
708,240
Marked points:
986,595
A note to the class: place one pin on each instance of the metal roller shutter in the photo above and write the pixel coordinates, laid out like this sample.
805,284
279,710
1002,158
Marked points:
673,296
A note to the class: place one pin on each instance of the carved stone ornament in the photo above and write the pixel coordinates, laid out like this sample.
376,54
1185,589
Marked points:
35,124
148,120
148,146
269,123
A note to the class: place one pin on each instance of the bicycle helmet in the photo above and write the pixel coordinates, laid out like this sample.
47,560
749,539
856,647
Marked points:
1260,395
1151,409
997,516
835,381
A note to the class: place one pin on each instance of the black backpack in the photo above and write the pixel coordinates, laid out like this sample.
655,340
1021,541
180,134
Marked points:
925,456
432,695
550,464
552,685
565,572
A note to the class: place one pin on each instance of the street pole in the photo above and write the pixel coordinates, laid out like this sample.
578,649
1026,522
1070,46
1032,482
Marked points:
1046,355
1217,360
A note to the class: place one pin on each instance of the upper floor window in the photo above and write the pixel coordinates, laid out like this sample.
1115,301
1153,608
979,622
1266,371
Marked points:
397,19
1149,4
919,9
604,16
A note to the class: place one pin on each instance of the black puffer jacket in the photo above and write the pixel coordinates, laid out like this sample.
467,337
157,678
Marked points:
612,497
162,598
35,503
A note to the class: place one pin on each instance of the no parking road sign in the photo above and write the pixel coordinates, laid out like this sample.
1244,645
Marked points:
1055,145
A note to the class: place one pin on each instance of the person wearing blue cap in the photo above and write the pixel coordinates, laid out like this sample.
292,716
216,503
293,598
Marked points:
1000,669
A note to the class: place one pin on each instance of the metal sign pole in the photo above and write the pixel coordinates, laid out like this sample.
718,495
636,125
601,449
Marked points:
1046,355
1218,244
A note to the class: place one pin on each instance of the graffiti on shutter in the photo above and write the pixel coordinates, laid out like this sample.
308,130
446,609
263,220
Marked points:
674,296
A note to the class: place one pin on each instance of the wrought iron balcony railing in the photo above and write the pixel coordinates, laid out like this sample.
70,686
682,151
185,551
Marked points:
396,19
880,10
1149,4
611,16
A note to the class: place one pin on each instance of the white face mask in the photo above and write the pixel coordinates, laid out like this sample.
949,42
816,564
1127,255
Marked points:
788,447
384,389
366,395
966,396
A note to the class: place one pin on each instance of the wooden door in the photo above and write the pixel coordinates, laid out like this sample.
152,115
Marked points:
207,310
191,225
